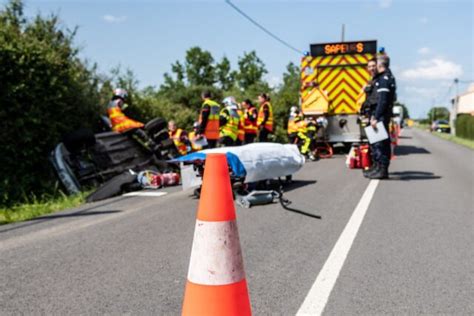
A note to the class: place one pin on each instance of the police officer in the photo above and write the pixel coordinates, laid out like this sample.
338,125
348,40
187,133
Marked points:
385,86
369,105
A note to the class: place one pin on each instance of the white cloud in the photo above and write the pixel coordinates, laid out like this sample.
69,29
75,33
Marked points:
432,69
424,20
424,50
385,3
114,19
421,91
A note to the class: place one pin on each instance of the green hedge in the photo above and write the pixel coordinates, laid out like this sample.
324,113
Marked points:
465,126
46,91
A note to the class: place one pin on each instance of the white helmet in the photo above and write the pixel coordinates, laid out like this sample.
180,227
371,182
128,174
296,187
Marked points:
322,121
228,101
121,93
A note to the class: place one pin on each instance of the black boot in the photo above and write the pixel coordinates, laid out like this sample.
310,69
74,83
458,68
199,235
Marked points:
380,173
372,169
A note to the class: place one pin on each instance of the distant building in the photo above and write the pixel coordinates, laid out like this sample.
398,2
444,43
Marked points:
465,102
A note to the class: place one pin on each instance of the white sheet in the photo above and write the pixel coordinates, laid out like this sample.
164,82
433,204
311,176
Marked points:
265,160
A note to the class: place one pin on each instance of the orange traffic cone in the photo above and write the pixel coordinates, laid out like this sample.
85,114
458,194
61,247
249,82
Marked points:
216,279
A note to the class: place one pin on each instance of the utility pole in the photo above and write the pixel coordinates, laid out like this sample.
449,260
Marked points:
343,31
433,112
454,108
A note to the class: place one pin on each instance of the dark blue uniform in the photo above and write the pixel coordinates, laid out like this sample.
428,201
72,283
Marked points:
386,87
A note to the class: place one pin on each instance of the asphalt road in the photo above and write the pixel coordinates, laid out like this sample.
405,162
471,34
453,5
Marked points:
413,253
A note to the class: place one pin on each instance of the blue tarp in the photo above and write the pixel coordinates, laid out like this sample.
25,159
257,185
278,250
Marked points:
234,162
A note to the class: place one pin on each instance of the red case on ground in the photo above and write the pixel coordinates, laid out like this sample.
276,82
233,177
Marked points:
365,159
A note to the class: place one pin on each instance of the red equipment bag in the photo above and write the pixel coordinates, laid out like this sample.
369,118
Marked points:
355,161
365,158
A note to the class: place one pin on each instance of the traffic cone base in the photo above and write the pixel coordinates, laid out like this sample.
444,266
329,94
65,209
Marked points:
229,300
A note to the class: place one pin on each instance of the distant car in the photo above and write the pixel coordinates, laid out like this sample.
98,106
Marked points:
441,126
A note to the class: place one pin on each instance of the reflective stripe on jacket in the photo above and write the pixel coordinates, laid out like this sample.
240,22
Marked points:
120,122
192,139
261,116
178,142
250,126
292,125
211,130
241,134
231,127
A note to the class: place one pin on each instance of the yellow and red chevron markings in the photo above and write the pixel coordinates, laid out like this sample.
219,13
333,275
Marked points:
341,77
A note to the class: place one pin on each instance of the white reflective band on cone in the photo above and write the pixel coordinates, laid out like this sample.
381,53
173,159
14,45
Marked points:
216,257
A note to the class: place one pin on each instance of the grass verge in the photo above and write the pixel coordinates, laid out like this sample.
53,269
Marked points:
38,207
458,140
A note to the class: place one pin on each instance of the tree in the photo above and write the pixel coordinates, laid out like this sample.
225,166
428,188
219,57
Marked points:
46,91
438,113
225,76
286,97
251,70
199,66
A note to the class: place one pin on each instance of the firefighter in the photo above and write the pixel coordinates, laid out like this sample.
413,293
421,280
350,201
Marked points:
179,138
241,133
119,121
385,85
264,118
209,120
250,121
302,134
194,139
229,123
292,126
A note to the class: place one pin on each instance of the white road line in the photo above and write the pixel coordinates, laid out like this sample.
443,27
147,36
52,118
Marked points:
145,193
318,295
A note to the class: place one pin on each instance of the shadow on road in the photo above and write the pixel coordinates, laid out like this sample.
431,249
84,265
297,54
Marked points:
403,150
296,184
405,137
74,215
413,175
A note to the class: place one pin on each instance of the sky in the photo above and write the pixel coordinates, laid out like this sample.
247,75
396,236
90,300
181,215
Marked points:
430,42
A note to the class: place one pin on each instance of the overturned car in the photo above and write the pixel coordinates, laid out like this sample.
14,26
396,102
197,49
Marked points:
84,159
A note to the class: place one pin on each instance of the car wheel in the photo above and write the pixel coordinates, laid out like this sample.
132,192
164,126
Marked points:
113,187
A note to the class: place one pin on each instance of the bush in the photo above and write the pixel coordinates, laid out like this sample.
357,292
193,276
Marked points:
45,92
465,126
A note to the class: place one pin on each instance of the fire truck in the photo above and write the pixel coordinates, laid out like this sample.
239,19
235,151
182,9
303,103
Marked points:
332,79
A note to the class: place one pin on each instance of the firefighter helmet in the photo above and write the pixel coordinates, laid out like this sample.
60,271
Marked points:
229,101
120,93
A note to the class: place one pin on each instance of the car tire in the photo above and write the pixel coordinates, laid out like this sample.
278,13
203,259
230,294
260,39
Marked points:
113,187
156,125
